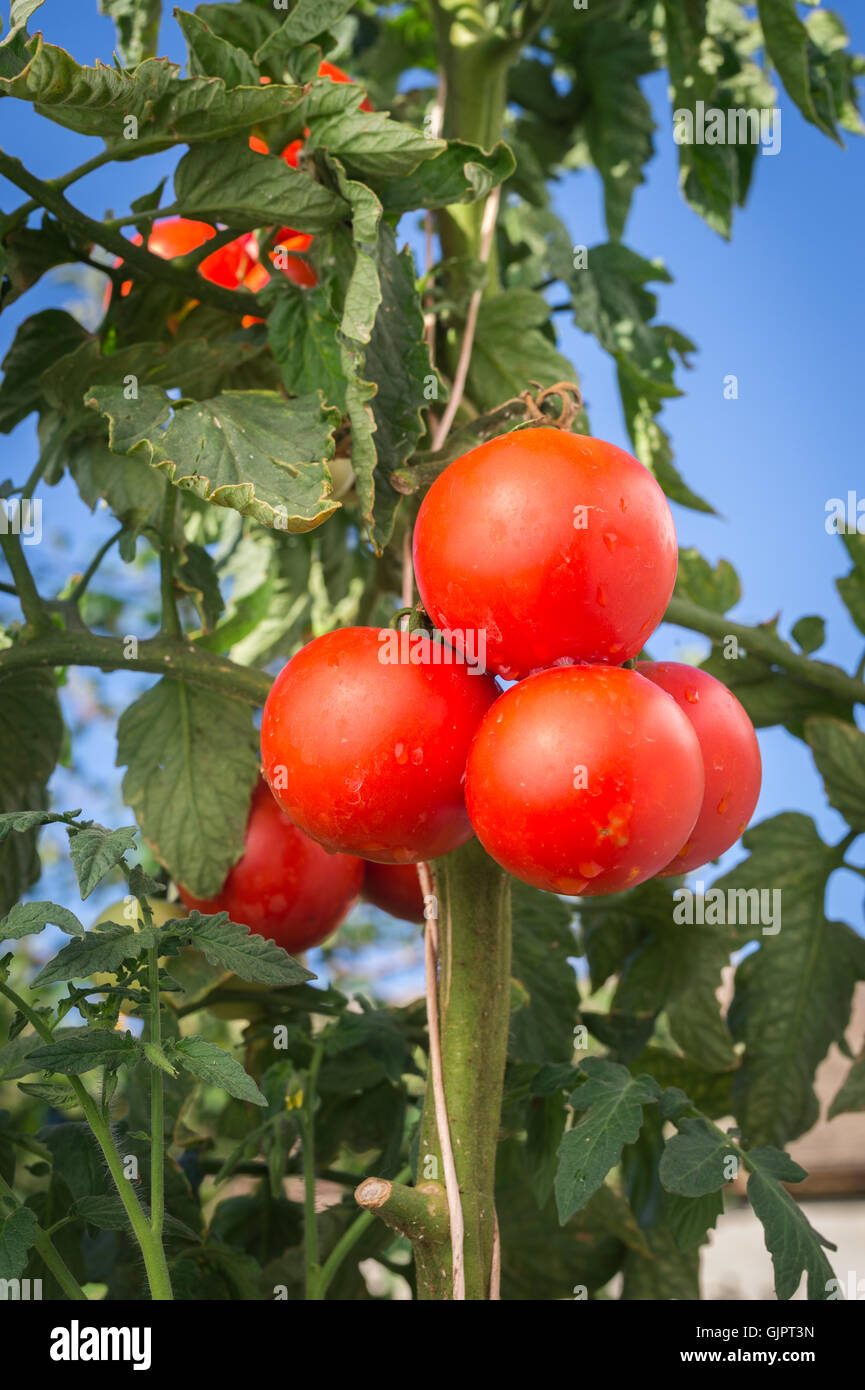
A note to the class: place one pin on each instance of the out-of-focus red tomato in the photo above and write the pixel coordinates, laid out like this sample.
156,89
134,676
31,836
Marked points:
285,886
395,888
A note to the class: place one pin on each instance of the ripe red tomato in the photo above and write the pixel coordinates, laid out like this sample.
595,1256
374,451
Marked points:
285,887
559,547
583,779
367,752
177,236
395,888
731,759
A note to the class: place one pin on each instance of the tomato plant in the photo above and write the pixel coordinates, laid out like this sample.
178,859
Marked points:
302,477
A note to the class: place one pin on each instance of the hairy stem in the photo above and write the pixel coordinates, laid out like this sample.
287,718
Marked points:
474,1005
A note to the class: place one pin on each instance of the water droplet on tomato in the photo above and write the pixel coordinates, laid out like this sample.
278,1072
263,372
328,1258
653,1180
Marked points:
692,695
400,753
610,540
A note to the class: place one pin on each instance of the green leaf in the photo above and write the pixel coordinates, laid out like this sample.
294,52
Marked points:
792,53
212,56
678,969
717,589
810,633
709,174
96,851
265,456
852,1093
542,1259
97,1047
362,297
231,945
108,1213
511,350
397,362
690,1219
613,1100
31,734
32,251
102,950
791,1240
55,1094
26,918
839,752
710,1091
18,1232
793,995
543,940
216,1067
545,1123
365,142
168,110
197,577
851,586
695,1160
662,965
302,330
192,760
610,60
228,182
462,173
137,24
667,1272
307,20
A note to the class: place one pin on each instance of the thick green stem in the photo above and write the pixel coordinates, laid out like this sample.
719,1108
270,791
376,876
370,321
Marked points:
474,62
51,1257
474,1007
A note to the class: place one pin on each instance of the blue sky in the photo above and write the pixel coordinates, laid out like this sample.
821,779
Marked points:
780,307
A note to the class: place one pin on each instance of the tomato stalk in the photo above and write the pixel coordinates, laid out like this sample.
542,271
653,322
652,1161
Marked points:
474,1009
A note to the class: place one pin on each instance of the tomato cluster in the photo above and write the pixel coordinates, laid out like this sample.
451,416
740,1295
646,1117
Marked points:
556,555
